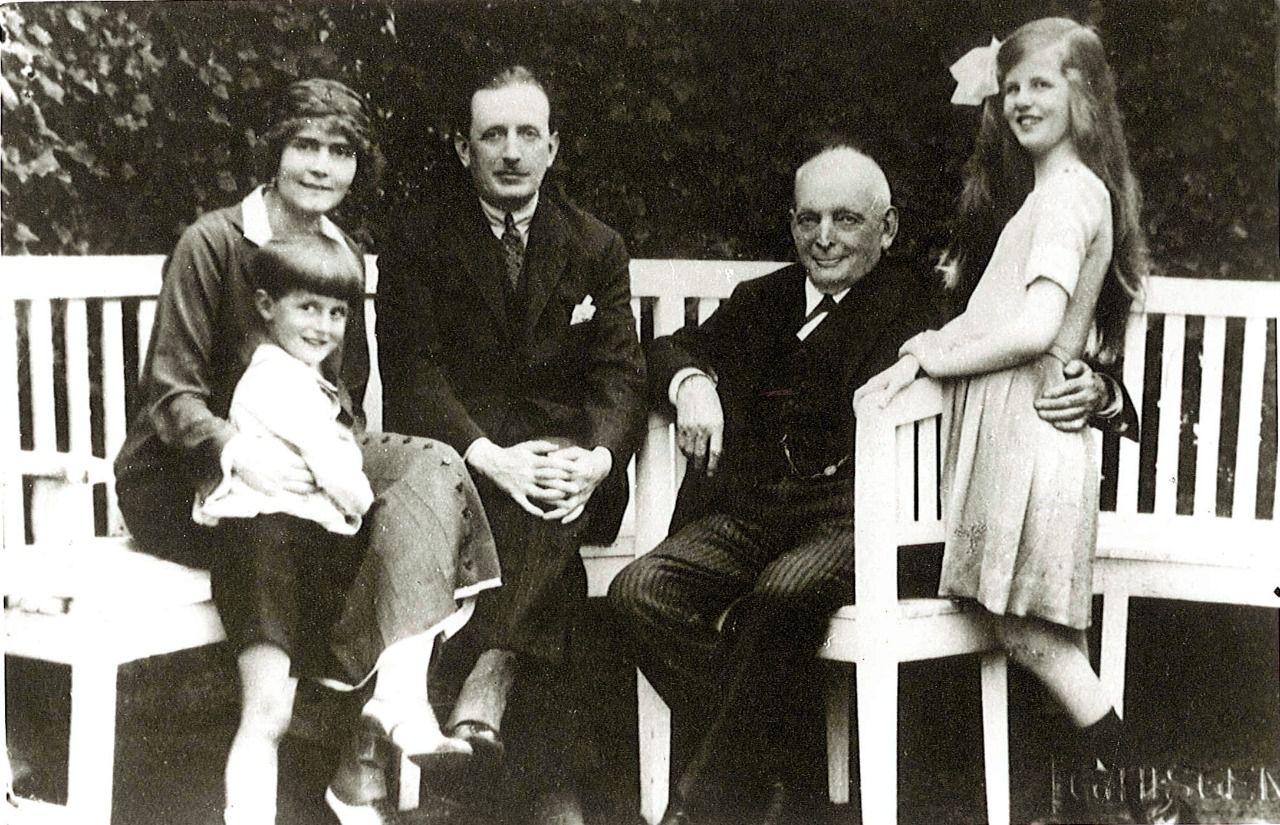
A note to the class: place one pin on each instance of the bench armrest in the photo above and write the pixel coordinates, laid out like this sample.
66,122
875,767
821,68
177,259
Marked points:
659,468
72,468
878,468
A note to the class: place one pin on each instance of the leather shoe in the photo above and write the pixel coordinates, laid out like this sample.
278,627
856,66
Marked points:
558,808
360,777
411,727
376,812
485,742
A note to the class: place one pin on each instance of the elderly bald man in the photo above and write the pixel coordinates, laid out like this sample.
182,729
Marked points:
764,521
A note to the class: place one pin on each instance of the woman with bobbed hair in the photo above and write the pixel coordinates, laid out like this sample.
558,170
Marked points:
296,599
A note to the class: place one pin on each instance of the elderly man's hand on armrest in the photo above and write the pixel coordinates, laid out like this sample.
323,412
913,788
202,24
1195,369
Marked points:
699,421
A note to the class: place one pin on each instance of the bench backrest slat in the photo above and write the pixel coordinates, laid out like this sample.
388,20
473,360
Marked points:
1135,354
373,390
76,361
1209,429
1248,439
114,422
12,507
918,513
146,320
40,363
1166,477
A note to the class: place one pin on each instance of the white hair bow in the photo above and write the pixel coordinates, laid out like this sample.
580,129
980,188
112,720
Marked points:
975,75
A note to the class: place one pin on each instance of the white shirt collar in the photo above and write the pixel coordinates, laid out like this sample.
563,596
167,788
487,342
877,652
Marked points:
812,296
523,217
257,227
272,353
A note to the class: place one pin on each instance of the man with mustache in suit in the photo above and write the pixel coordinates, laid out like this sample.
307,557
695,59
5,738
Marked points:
505,330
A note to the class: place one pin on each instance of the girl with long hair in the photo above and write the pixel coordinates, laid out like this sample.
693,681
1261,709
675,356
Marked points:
1050,255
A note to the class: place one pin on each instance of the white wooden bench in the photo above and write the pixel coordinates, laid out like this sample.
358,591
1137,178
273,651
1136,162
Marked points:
1212,531
122,606
1198,551
88,600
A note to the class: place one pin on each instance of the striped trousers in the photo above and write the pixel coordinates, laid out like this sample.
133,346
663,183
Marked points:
727,612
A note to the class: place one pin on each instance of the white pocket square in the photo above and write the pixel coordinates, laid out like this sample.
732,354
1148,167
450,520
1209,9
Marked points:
583,312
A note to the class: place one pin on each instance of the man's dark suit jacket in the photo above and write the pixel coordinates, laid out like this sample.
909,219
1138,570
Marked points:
460,358
771,384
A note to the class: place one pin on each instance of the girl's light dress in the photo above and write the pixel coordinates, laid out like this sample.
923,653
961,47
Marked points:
1021,497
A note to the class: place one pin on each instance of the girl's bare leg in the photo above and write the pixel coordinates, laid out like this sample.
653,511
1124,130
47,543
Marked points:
1055,656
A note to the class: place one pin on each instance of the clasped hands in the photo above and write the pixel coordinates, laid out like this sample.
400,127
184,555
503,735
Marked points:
548,480
1067,406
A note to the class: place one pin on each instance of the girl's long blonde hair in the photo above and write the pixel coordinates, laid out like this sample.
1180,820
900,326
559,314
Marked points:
999,175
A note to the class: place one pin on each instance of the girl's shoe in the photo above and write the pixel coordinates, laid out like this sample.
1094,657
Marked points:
1168,810
412,727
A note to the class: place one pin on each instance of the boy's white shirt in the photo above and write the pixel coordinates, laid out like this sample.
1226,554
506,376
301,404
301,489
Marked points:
282,398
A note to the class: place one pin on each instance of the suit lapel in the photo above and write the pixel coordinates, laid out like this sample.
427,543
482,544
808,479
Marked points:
468,246
868,310
790,316
544,260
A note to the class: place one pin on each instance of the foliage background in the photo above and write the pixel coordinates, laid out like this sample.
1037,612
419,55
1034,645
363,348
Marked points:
679,118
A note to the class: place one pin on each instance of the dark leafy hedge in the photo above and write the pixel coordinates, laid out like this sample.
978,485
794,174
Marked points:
680,120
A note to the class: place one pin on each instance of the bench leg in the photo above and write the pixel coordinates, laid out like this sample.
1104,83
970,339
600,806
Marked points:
409,783
1115,634
837,695
878,740
654,718
995,735
91,750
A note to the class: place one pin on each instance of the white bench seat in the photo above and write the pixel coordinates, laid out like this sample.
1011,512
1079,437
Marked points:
924,629
101,575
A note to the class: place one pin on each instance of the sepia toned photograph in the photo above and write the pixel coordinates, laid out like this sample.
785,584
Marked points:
640,412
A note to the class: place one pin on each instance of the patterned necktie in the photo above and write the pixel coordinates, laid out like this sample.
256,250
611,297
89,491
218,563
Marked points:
513,248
